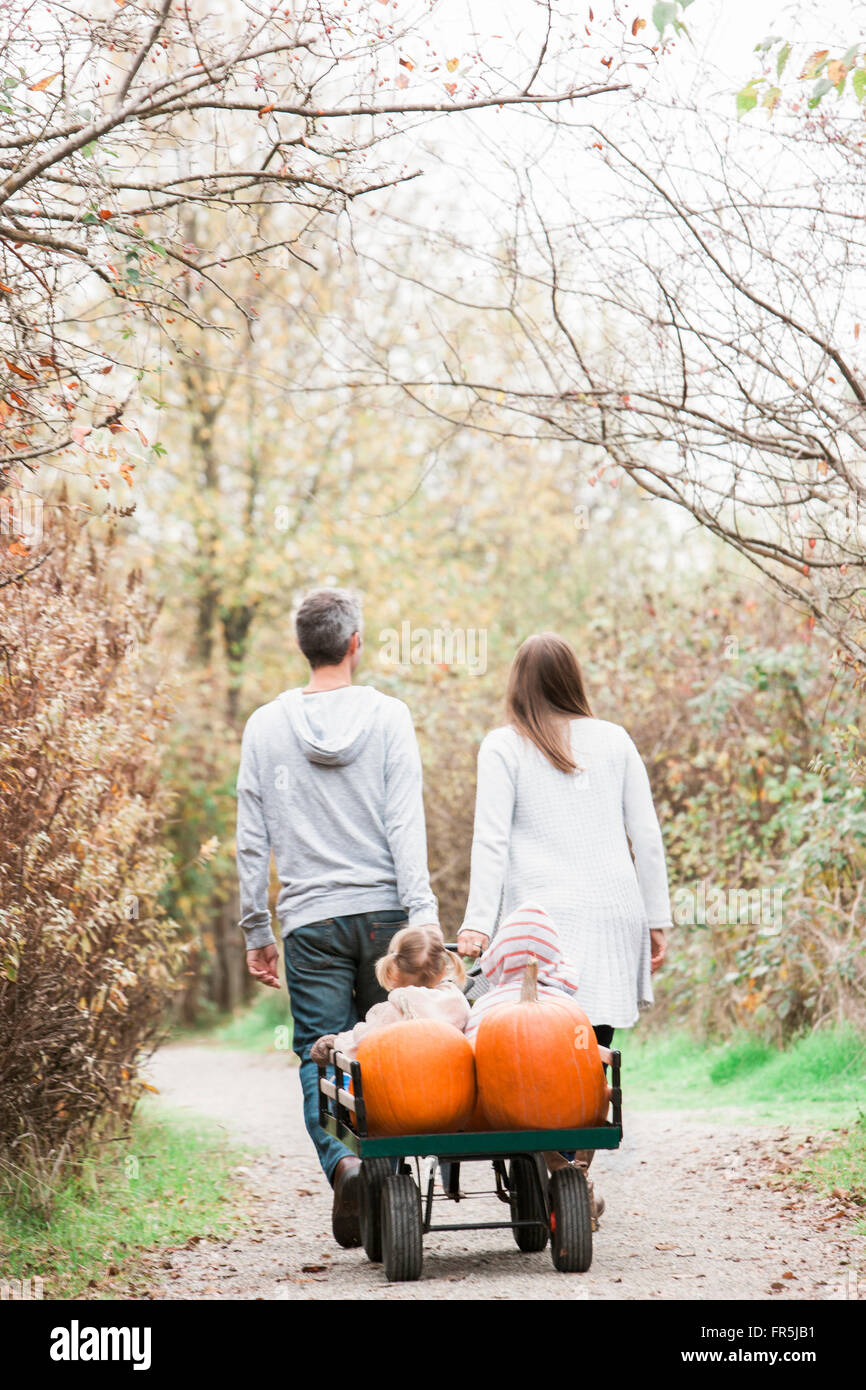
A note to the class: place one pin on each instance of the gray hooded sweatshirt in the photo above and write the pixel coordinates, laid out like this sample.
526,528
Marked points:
331,784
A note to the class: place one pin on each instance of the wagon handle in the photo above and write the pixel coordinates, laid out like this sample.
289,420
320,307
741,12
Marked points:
474,968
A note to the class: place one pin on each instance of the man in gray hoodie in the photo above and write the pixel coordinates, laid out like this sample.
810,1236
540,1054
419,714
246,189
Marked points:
330,783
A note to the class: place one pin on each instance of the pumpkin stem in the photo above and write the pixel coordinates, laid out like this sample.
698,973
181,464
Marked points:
529,992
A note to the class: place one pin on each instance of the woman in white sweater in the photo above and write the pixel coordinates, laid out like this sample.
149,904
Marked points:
560,795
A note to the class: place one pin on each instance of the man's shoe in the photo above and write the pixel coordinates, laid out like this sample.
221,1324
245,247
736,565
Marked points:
345,1221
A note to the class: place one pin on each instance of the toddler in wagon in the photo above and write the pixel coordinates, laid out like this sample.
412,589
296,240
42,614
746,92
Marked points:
423,981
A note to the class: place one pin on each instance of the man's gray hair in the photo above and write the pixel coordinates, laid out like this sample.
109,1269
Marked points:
325,621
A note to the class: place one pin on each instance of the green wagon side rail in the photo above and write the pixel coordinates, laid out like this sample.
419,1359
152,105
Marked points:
348,1123
486,1144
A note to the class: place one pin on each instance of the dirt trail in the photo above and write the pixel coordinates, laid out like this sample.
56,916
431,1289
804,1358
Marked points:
689,1214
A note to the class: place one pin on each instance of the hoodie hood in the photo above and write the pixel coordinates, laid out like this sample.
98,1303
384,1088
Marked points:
528,934
332,726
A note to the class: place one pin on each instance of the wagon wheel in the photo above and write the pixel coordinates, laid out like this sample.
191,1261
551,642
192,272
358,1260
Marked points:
570,1222
374,1171
402,1248
526,1175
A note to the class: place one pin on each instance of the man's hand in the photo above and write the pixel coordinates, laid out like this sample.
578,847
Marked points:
262,965
658,948
472,943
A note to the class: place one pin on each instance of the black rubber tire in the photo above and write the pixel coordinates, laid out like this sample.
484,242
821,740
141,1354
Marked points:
526,1181
374,1171
570,1222
402,1234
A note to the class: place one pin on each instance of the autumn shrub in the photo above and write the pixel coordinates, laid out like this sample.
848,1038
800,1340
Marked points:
88,955
737,715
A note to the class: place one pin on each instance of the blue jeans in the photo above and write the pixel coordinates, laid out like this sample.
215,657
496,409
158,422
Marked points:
332,984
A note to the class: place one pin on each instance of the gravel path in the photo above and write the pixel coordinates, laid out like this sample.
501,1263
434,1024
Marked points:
689,1212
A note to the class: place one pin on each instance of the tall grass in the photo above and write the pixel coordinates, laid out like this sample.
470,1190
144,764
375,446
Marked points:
820,1077
169,1181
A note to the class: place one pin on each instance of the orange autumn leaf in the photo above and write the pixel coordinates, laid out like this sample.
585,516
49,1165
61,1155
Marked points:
45,82
19,371
811,66
451,88
8,289
18,548
105,214
637,26
265,109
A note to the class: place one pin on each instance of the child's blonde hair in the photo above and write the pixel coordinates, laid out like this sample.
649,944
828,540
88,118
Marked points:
419,956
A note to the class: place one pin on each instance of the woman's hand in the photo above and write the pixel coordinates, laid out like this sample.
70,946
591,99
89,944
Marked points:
658,948
472,943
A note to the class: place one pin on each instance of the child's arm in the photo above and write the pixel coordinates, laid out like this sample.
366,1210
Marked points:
443,1001
380,1016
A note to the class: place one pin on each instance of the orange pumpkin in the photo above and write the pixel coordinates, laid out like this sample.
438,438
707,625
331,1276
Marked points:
418,1078
537,1063
478,1121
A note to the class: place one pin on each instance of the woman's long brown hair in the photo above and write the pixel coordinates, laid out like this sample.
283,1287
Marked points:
545,688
